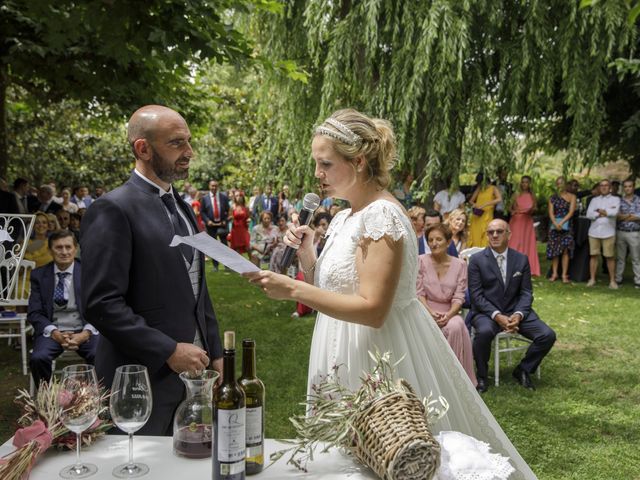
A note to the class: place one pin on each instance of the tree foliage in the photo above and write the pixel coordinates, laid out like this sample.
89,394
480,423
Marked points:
115,52
461,80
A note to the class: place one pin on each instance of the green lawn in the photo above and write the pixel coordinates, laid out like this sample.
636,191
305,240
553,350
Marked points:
583,421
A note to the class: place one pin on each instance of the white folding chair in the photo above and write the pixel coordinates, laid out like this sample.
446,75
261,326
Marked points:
16,326
521,344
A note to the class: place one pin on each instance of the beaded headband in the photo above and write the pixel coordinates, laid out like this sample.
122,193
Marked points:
343,134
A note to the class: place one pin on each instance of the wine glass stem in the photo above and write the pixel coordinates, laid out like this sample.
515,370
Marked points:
131,450
78,442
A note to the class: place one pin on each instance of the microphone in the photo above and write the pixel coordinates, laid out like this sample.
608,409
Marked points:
310,202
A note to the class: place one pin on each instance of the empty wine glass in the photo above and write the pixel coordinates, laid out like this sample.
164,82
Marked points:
130,404
79,401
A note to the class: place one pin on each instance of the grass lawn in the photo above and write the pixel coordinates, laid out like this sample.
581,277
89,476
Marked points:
582,422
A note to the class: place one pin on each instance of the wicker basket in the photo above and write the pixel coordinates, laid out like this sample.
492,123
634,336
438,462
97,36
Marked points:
395,441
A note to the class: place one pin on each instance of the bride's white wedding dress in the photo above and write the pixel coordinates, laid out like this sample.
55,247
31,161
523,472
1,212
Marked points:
429,363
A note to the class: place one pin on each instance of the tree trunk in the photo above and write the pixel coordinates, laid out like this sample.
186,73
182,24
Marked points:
4,143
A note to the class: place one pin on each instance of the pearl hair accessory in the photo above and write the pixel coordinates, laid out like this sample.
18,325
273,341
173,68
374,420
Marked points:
343,134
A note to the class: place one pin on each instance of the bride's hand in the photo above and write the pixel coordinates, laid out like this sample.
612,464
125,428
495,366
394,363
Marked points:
299,237
274,285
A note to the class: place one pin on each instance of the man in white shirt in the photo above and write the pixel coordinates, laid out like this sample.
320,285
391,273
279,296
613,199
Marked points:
446,202
602,212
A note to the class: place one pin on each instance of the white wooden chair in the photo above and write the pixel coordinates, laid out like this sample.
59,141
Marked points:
16,327
511,342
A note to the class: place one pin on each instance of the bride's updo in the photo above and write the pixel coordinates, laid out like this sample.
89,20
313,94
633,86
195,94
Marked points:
354,134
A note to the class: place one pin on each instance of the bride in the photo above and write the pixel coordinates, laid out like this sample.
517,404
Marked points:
364,283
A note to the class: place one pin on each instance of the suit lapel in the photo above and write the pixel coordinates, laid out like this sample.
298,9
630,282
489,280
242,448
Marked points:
511,265
493,264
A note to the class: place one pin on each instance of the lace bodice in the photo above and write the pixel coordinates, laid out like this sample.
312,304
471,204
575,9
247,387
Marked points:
336,268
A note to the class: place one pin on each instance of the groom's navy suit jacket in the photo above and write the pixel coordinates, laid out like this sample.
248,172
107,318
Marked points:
136,291
43,281
488,292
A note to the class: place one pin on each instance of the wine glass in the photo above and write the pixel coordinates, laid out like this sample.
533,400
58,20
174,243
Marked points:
79,401
130,404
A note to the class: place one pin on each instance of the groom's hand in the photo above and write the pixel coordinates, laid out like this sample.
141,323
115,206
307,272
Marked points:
188,358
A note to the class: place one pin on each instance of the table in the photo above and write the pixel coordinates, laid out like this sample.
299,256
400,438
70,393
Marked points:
157,452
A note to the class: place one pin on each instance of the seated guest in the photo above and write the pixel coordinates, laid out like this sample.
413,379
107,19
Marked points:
447,201
63,218
74,225
264,238
54,309
523,234
53,222
628,233
38,249
431,217
457,222
602,212
441,285
278,250
417,214
561,208
501,298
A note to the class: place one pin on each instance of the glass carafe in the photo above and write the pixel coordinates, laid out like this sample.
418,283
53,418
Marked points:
192,423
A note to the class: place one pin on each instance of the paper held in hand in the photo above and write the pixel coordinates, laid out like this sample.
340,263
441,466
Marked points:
216,250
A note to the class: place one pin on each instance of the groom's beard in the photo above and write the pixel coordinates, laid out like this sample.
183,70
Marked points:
166,171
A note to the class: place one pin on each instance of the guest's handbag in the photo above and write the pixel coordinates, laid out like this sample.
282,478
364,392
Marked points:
565,225
478,211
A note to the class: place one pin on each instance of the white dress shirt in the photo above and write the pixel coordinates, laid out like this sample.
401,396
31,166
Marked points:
603,227
504,266
448,202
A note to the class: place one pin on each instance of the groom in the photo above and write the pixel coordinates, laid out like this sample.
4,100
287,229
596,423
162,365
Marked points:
501,298
149,301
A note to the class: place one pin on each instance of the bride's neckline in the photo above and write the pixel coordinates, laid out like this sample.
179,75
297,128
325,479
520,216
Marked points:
351,213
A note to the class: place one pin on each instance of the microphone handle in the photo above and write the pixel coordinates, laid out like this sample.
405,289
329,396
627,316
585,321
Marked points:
290,252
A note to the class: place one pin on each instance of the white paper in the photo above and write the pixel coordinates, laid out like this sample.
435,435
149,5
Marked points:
213,248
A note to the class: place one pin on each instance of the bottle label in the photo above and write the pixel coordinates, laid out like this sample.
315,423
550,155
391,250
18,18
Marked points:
231,468
231,435
254,425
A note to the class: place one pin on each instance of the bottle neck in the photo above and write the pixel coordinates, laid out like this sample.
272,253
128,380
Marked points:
229,366
248,362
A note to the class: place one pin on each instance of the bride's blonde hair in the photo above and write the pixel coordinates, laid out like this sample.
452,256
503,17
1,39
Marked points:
353,134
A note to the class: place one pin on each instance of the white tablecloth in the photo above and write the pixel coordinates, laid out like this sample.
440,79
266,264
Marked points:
157,452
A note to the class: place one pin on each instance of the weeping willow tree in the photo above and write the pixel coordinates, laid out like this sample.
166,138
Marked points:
462,81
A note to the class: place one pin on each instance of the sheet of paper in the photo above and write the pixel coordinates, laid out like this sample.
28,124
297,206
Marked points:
214,249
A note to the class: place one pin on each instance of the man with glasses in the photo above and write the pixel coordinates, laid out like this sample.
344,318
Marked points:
501,298
602,212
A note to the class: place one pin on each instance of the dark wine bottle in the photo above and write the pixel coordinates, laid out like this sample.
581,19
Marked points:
254,394
229,447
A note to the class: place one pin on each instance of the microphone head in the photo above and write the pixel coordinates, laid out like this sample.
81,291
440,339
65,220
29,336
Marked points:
310,202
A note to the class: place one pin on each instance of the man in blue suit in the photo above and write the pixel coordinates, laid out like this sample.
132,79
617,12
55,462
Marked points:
215,213
501,299
54,309
148,300
266,202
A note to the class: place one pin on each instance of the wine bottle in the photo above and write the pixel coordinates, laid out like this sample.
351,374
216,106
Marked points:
254,394
229,448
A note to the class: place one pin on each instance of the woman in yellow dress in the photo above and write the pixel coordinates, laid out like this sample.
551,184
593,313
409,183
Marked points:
483,202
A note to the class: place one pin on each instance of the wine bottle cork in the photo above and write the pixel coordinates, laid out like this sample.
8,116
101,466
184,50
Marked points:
229,340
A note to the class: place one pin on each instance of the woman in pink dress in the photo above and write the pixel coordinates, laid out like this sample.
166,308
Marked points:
523,235
441,283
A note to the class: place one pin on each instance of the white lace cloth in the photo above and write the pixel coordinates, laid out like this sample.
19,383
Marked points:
465,458
429,364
